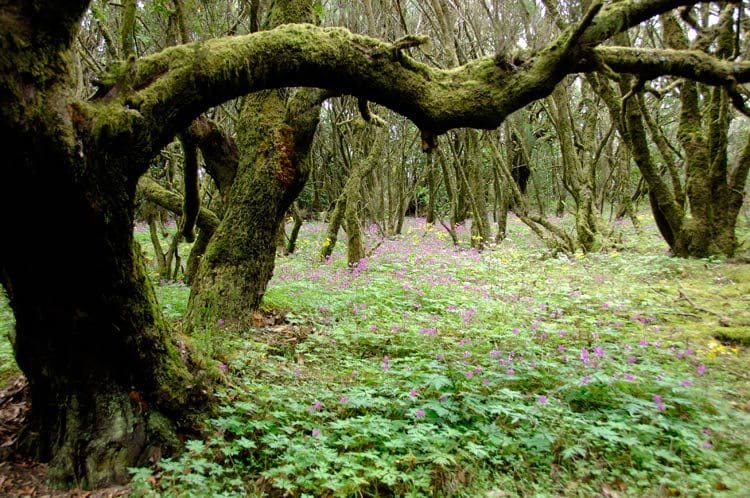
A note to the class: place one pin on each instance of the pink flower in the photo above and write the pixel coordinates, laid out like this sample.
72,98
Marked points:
316,432
701,369
220,322
542,400
659,402
413,393
386,363
316,406
585,356
344,400
510,371
629,377
686,383
419,413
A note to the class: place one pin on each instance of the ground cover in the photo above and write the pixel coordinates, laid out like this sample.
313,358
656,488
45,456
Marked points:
431,370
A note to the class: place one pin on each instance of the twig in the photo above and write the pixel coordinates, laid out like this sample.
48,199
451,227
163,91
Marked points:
685,297
588,18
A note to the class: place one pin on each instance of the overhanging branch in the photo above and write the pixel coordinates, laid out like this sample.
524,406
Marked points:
172,87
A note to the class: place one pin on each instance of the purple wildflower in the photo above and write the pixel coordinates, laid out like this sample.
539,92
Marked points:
386,363
585,356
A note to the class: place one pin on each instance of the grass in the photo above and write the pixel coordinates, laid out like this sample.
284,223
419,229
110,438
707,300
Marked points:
428,370
8,367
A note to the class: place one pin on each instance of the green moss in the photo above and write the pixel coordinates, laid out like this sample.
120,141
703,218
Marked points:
161,431
734,335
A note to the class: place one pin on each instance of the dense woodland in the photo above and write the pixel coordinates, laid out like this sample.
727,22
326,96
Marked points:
195,146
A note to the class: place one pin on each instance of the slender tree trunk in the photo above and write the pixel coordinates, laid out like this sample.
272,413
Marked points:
431,188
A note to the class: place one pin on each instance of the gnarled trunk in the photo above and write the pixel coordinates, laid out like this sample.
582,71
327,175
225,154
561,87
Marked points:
106,379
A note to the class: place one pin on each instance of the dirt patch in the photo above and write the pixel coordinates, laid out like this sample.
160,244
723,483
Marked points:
274,329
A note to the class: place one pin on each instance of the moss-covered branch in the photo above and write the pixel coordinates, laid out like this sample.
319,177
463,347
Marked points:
171,201
172,87
218,149
191,201
691,64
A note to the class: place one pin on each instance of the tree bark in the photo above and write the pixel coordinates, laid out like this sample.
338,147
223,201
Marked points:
107,381
274,138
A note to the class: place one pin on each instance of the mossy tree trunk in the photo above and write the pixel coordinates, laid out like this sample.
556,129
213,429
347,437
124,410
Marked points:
713,188
577,171
275,131
346,208
107,380
432,189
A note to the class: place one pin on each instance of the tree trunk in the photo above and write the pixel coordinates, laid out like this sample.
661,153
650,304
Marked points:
106,379
274,138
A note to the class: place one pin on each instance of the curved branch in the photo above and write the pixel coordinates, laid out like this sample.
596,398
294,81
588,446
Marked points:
219,152
167,90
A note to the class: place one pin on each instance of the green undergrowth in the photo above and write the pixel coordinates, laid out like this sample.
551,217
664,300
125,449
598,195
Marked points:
428,370
8,366
434,371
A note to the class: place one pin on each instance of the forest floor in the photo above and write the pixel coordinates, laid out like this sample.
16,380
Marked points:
434,370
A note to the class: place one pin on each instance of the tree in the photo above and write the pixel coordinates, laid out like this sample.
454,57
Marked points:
275,131
109,383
